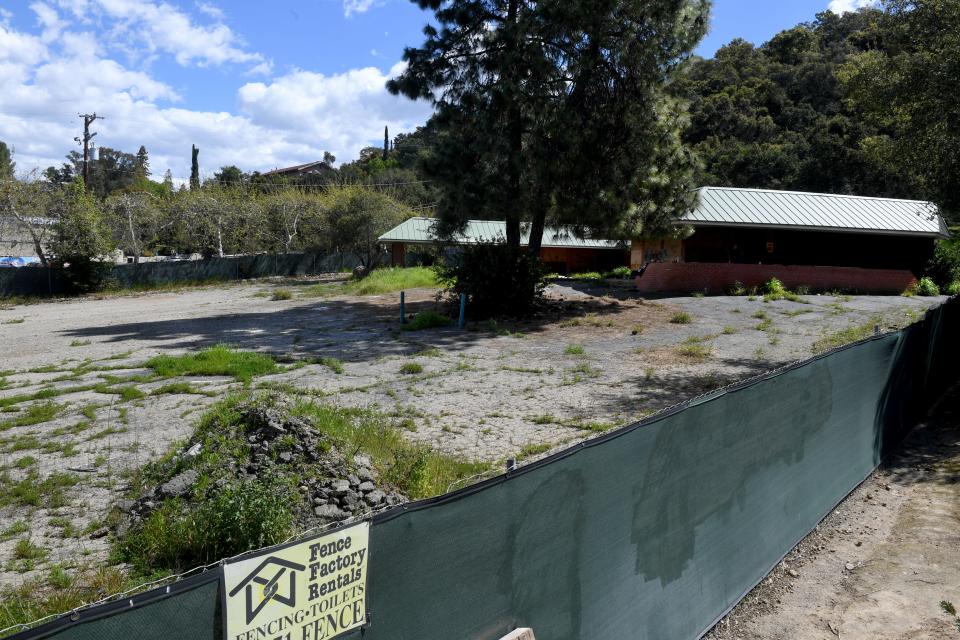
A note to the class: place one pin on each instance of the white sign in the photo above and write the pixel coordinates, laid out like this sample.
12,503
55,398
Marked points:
310,590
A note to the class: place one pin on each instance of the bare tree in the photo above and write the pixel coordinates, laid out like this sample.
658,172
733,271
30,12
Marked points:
35,205
134,218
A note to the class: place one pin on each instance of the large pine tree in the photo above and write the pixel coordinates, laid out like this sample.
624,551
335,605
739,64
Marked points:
554,111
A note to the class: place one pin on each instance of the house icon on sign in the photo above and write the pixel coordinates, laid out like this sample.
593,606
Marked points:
273,579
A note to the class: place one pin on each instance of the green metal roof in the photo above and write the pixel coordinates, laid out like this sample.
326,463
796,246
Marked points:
730,207
420,231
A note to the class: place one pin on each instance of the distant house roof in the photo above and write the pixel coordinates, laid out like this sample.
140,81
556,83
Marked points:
730,207
310,167
419,231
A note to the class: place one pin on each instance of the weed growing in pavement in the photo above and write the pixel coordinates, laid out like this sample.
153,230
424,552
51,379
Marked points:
34,414
532,450
574,350
281,294
79,343
411,368
681,318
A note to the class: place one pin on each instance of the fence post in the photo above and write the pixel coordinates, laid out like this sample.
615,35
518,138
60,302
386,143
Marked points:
403,307
463,310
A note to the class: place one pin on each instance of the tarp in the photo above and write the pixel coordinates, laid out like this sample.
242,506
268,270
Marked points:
653,531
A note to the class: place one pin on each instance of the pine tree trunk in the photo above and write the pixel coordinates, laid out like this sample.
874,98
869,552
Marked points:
515,128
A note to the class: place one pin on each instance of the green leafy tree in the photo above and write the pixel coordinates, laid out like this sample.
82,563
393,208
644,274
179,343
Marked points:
142,163
552,110
777,117
81,239
908,90
230,176
7,165
357,216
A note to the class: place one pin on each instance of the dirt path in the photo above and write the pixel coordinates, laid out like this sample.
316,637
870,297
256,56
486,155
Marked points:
880,565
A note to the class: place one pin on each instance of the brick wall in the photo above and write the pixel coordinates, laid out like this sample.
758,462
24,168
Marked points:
716,278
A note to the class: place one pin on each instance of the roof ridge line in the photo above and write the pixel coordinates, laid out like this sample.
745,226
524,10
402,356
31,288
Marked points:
814,193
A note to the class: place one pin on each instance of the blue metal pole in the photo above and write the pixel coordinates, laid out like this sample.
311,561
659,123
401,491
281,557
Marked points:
463,309
403,307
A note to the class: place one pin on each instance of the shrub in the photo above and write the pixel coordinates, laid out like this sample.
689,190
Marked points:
81,237
737,289
622,273
774,287
927,287
587,275
497,279
944,267
234,518
282,294
954,288
427,320
681,318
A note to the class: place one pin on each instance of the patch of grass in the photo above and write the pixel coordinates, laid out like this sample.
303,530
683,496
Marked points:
79,343
574,350
34,492
546,418
14,321
728,330
24,549
220,360
764,325
532,450
636,330
380,281
416,470
587,275
760,315
333,364
948,607
793,313
681,318
281,294
851,334
411,368
427,320
33,599
177,388
694,351
24,462
17,528
109,431
34,414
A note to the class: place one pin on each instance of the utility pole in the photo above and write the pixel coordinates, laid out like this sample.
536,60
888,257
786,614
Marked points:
88,119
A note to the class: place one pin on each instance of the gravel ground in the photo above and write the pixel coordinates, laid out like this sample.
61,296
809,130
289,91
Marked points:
596,358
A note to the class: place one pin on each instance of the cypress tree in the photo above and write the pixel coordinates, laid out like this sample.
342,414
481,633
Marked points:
7,165
194,168
386,142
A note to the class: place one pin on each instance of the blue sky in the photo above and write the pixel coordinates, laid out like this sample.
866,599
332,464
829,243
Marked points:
251,84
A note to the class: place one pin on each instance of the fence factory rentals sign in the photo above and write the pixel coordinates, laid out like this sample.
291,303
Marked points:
310,590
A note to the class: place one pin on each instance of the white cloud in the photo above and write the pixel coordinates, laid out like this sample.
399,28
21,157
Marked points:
211,10
152,27
49,19
280,121
350,7
845,6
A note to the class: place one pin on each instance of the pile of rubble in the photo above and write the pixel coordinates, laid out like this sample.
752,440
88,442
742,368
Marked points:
331,485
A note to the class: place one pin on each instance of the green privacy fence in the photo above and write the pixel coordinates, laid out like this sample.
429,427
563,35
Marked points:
40,281
653,531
